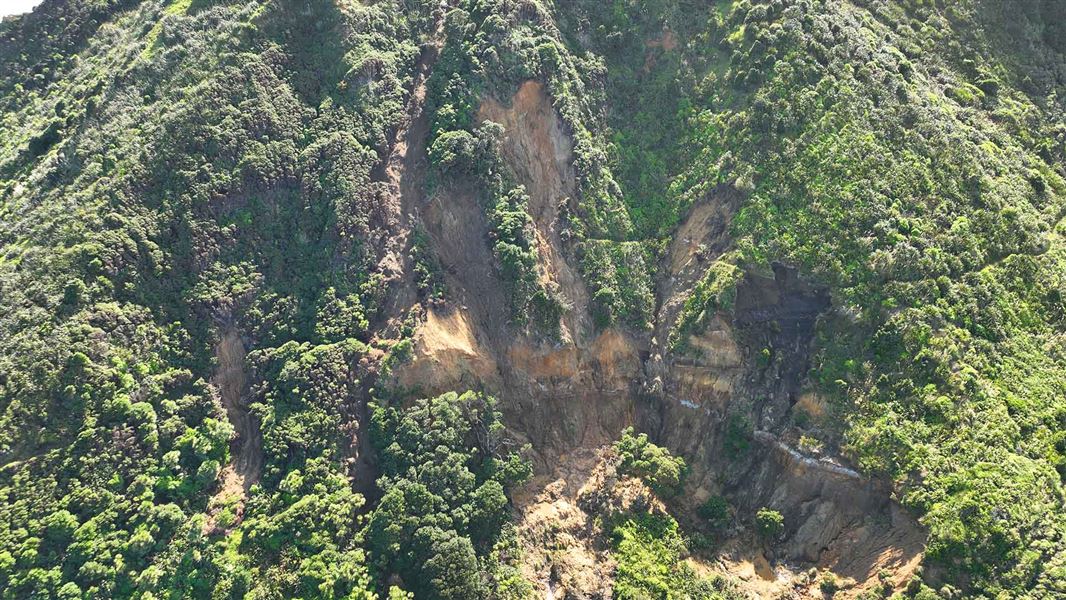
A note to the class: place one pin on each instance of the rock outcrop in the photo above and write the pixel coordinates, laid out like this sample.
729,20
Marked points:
570,397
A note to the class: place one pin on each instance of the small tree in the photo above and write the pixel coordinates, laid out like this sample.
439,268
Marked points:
769,523
715,510
662,472
829,584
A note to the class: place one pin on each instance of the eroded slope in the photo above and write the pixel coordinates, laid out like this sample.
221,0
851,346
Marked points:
813,247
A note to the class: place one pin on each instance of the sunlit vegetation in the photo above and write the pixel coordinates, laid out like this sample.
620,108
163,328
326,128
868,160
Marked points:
183,168
442,523
906,155
648,543
665,474
175,171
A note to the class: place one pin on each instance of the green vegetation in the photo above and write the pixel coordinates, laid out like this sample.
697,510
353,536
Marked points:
665,474
461,154
714,293
618,272
648,544
716,512
768,523
650,553
428,275
441,523
480,59
178,173
909,156
952,393
183,170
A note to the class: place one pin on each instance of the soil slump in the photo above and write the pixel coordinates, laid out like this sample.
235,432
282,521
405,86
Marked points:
571,397
246,448
536,147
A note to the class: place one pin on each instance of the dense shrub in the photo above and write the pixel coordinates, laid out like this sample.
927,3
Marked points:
716,512
444,469
665,474
768,523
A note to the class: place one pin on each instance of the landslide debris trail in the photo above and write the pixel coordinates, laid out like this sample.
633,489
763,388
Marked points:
565,397
402,178
402,175
246,449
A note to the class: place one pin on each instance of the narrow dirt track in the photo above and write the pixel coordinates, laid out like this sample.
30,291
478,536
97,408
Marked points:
246,449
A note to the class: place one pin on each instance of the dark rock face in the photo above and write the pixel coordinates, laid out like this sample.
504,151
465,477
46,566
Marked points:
778,315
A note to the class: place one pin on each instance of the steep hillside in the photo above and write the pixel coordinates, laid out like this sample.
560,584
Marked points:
516,298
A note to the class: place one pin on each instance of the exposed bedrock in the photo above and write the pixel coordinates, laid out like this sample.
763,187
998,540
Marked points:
570,397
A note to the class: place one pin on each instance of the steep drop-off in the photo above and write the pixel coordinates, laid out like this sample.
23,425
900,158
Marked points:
569,396
510,299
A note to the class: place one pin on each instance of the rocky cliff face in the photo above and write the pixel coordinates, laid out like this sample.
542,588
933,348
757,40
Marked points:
725,404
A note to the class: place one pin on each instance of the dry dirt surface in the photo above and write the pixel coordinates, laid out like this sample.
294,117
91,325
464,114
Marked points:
246,448
570,398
